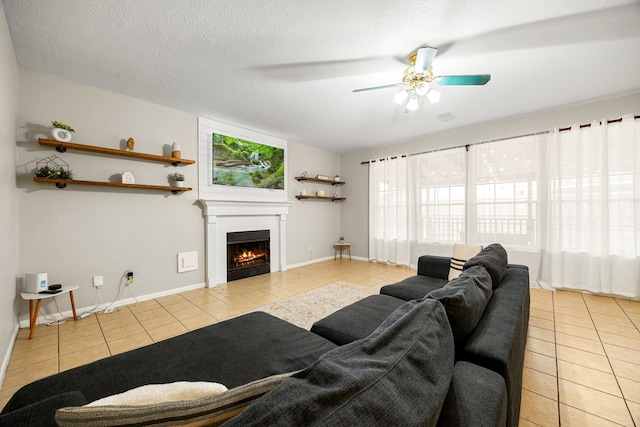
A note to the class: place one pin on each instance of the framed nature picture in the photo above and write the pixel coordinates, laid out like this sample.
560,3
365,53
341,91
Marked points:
237,164
241,163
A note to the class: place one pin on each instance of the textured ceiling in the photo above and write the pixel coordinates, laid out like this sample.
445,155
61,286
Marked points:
287,67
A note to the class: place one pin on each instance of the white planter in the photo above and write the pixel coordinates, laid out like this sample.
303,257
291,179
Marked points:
178,183
61,135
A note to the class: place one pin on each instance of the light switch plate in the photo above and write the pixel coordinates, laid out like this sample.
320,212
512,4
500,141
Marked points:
187,261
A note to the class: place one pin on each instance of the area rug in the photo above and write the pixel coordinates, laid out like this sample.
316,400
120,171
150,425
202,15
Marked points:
305,309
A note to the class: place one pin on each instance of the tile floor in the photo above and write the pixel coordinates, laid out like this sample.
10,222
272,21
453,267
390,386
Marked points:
582,362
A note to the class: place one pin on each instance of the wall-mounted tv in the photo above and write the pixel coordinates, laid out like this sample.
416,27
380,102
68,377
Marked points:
241,163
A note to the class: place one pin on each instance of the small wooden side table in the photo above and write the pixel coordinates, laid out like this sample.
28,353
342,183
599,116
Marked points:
33,314
339,247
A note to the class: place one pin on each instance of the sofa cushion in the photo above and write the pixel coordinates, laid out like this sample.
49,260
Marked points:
236,351
42,413
461,253
398,375
465,299
494,259
210,410
356,320
415,287
476,397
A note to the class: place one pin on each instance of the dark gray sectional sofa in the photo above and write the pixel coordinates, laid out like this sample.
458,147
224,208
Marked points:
410,356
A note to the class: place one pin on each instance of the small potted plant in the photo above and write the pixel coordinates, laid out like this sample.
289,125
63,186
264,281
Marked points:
341,240
61,131
177,179
337,178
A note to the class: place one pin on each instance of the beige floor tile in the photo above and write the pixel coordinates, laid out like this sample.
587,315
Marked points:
561,306
588,377
188,312
168,331
622,353
594,402
618,330
634,408
82,343
625,369
158,321
540,383
566,295
578,331
524,423
538,409
579,343
151,313
129,343
630,389
170,300
620,320
24,359
199,321
573,311
142,306
540,362
27,374
539,346
75,333
542,314
584,358
629,306
583,322
83,357
620,340
124,331
576,418
541,333
541,323
111,323
38,341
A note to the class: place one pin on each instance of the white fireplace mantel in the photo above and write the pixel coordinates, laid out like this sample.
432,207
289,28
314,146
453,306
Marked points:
222,217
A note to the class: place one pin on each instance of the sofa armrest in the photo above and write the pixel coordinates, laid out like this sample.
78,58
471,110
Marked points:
499,339
42,413
434,266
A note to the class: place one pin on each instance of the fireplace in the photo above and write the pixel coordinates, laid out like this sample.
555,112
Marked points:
248,254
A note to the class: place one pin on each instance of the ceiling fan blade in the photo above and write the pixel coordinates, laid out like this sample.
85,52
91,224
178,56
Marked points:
424,58
471,79
377,87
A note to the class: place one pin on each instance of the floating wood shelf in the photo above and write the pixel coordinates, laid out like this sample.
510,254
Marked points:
324,181
62,183
333,199
62,147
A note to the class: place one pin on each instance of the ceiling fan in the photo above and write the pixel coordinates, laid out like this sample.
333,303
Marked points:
418,79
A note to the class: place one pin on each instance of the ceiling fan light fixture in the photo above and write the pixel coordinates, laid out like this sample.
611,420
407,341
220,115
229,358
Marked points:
423,88
434,96
412,104
400,97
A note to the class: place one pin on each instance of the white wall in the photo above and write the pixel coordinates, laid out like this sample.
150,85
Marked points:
314,223
80,232
355,215
8,196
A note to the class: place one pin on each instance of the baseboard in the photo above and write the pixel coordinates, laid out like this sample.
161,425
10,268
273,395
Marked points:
110,305
7,356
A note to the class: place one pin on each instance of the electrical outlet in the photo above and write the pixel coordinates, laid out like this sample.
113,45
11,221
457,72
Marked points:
98,281
129,278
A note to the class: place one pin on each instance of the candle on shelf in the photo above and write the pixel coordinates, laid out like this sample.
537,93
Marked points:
176,150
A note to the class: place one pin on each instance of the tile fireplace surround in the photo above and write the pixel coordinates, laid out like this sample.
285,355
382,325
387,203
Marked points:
222,217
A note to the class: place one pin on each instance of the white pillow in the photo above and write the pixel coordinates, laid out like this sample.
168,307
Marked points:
160,393
461,253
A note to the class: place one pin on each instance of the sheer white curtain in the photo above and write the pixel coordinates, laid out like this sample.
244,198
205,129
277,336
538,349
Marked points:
388,211
592,239
416,204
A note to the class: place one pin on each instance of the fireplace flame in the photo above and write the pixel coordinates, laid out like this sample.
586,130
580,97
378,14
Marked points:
248,258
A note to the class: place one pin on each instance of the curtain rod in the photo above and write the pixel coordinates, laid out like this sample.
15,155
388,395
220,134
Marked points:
366,162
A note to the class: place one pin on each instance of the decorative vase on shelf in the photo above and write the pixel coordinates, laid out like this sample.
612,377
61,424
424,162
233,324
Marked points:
61,135
61,131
